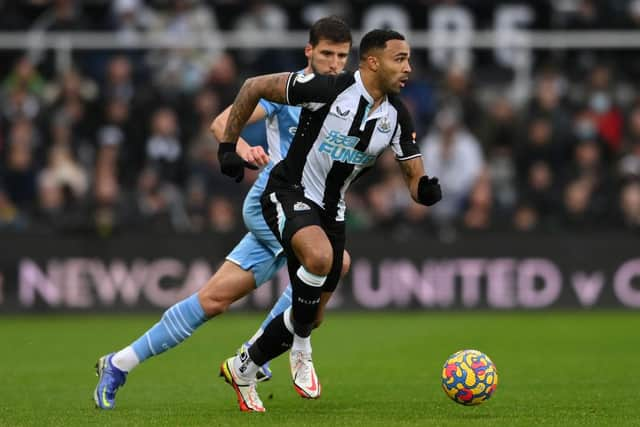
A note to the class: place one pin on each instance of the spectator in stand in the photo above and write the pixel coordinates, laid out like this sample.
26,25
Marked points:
630,205
595,184
587,16
11,219
119,83
454,155
478,214
61,187
18,102
499,135
457,91
184,69
164,148
547,102
196,205
71,104
223,217
386,202
541,193
525,218
157,205
19,172
206,104
118,139
108,214
577,213
601,108
263,17
223,79
539,146
129,18
63,169
629,163
24,75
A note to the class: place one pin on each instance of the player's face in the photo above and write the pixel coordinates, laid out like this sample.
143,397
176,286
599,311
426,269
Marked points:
394,66
328,57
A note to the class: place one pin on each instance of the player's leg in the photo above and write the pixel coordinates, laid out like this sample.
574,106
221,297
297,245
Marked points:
284,302
294,326
303,373
178,322
326,295
295,221
264,261
280,330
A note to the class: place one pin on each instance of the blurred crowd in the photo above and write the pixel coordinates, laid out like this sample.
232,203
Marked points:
120,142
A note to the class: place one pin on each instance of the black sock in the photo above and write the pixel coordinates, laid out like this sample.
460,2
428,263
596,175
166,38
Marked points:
275,340
305,301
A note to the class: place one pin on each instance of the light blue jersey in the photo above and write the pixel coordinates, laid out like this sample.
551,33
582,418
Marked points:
259,251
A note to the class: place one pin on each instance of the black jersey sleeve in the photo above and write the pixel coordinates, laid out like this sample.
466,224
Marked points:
403,141
313,90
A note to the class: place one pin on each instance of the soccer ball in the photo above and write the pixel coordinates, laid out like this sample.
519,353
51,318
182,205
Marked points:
469,377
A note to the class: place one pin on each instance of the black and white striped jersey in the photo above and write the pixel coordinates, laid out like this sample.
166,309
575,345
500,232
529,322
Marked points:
338,138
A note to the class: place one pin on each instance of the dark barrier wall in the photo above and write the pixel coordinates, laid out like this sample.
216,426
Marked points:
44,274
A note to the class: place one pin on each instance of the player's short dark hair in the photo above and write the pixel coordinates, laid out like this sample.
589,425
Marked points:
377,39
331,28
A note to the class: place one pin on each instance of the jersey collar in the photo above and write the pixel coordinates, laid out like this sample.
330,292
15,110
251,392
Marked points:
382,109
361,88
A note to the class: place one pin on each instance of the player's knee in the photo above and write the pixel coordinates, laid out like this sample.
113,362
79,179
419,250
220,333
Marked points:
318,261
212,304
346,264
214,307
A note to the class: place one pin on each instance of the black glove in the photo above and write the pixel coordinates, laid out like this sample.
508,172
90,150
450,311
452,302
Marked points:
231,164
429,191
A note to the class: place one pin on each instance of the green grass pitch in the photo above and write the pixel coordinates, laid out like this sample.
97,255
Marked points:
377,369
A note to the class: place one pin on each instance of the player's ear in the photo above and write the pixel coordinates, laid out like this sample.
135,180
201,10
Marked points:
372,63
308,50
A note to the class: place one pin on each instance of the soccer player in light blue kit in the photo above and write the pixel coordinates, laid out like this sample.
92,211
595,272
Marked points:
259,255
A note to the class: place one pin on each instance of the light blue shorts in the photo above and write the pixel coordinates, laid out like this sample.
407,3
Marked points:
259,251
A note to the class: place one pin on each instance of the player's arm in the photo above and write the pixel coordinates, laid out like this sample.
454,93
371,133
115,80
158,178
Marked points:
252,154
423,189
309,90
282,88
271,87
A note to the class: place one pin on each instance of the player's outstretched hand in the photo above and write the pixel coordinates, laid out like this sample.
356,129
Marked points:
231,164
256,156
429,191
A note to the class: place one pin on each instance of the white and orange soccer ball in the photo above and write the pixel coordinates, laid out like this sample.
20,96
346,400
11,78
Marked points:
469,377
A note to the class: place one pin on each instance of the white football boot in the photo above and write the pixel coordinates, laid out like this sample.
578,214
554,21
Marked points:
246,390
305,380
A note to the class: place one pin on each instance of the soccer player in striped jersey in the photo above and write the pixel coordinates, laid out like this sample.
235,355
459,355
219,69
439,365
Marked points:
257,257
346,122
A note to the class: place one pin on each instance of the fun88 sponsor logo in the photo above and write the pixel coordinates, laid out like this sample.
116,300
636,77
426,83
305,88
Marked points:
341,148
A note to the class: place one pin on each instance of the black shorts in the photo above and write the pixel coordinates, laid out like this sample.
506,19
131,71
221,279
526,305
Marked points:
286,210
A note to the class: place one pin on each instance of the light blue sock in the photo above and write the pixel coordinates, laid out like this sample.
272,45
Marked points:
280,306
176,325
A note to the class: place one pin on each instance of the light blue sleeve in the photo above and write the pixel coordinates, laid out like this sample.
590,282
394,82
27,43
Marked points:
270,107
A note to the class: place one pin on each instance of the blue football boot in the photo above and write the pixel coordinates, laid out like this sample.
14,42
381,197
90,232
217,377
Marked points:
110,380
